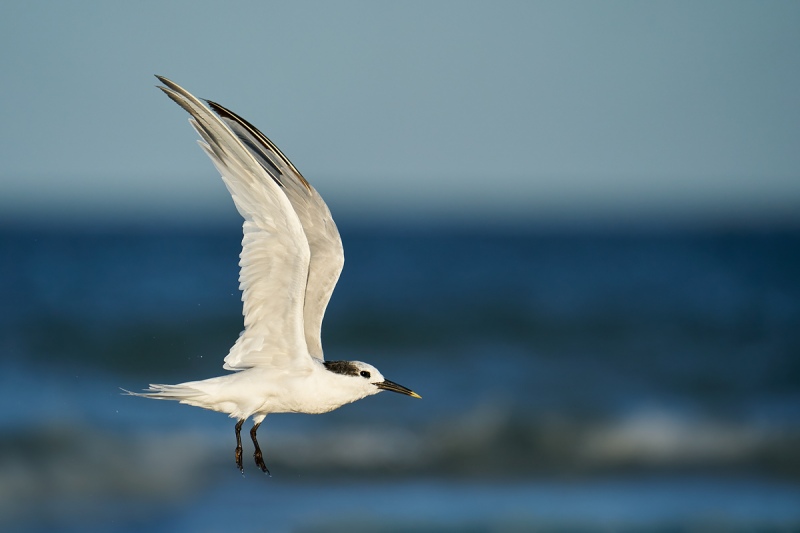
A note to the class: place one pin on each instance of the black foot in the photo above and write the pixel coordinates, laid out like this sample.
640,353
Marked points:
239,459
239,446
260,462
257,455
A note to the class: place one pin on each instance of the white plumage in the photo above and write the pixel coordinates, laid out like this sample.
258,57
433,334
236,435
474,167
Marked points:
290,262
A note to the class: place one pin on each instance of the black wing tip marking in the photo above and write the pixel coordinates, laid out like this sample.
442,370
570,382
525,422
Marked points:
224,112
177,98
169,83
178,95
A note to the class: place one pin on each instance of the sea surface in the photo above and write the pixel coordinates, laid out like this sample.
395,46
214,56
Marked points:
571,381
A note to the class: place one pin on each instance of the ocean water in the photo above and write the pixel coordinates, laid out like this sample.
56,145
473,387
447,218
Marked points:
571,381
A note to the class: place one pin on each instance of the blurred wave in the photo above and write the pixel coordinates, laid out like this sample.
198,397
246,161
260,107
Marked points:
622,363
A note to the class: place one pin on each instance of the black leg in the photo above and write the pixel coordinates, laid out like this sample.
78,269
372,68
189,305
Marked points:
257,455
239,445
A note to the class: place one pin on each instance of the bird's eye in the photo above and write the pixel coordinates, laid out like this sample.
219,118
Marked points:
364,374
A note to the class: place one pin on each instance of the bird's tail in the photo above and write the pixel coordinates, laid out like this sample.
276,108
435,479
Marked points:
182,392
206,393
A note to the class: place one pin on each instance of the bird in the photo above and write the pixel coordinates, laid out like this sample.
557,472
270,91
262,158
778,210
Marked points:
291,259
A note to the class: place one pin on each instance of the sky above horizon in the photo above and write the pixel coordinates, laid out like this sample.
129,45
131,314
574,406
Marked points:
543,111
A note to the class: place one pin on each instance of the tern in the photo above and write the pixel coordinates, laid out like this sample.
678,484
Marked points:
290,262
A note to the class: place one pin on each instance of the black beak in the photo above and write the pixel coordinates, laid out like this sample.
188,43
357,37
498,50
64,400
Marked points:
394,387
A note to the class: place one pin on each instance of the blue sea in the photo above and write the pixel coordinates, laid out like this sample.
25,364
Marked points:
572,380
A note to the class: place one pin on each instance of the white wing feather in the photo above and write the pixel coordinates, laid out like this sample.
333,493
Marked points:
327,255
275,252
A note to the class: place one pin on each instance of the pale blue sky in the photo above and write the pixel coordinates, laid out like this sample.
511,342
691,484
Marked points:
522,110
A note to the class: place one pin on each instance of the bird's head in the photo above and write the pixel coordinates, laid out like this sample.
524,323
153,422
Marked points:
367,378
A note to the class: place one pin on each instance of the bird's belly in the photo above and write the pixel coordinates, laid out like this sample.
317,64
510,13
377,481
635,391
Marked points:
300,404
302,392
304,400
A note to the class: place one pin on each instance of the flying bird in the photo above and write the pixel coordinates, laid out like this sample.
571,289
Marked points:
290,262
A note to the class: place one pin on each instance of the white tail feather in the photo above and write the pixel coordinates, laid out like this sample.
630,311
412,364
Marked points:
182,392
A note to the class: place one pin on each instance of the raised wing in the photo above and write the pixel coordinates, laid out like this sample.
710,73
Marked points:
275,252
327,256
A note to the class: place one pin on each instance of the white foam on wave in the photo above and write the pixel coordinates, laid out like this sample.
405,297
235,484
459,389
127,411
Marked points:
659,437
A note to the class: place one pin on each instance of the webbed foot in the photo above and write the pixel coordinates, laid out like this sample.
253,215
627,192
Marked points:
257,455
239,446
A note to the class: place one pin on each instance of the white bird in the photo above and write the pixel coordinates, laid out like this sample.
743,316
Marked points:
290,261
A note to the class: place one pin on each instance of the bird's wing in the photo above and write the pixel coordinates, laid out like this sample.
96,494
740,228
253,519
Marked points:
327,255
275,253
